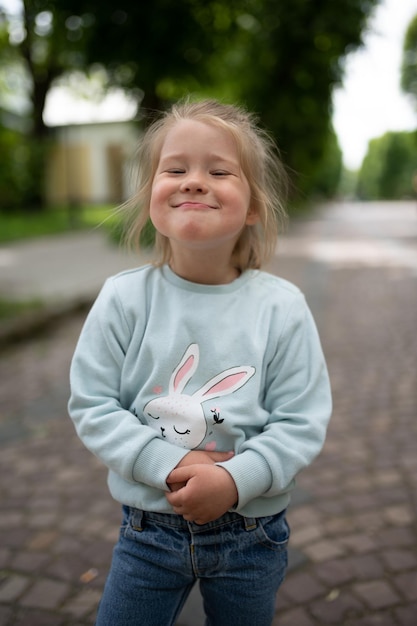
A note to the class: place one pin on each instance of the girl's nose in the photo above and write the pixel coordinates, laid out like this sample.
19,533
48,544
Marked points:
194,184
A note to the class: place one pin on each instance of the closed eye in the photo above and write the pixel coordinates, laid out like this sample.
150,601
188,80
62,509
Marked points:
186,432
153,416
220,173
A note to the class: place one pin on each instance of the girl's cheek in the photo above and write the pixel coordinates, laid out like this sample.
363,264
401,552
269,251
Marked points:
155,197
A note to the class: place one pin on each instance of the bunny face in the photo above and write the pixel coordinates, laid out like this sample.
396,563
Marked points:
179,418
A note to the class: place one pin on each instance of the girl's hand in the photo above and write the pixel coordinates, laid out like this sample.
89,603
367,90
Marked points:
195,457
208,493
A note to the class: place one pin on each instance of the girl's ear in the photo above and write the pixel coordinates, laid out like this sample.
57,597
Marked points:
252,216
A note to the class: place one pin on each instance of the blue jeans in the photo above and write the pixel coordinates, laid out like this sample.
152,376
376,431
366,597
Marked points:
239,561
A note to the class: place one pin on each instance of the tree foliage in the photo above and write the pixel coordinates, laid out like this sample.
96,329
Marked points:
12,168
39,45
409,60
42,39
279,58
389,167
291,59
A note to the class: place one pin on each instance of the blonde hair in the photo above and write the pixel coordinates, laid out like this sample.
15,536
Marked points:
260,163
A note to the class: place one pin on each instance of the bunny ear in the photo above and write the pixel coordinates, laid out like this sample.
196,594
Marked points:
226,382
185,369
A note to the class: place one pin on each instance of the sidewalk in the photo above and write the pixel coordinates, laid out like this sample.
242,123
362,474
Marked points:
64,273
353,517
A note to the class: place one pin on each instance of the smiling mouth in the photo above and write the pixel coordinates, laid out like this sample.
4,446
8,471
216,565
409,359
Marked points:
194,205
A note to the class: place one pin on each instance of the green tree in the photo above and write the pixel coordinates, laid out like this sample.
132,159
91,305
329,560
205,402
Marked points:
51,39
37,45
12,168
297,58
409,60
389,167
327,174
280,58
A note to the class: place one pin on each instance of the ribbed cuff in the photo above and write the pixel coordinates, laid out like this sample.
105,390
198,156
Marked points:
251,474
156,462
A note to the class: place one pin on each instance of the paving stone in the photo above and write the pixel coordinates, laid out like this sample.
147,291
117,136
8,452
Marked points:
95,527
83,604
395,538
361,483
111,535
42,540
397,560
336,608
401,515
38,618
5,615
369,521
8,519
366,567
302,587
359,543
336,572
332,507
306,535
362,502
407,584
324,550
377,594
68,568
388,477
16,537
376,619
42,520
5,557
68,544
304,516
406,615
338,526
12,587
73,522
46,594
293,617
30,561
283,602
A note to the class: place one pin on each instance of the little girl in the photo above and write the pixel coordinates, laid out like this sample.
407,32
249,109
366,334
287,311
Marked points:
199,380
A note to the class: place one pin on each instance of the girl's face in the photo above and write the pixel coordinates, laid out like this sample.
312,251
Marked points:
200,197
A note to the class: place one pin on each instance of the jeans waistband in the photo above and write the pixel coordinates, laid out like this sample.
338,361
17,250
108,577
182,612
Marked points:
139,518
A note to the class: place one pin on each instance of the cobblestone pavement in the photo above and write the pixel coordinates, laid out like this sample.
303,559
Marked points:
353,519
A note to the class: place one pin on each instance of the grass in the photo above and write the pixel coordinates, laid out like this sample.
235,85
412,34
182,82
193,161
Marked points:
12,308
18,225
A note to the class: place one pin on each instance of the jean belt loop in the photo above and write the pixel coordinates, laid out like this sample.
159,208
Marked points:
138,519
250,523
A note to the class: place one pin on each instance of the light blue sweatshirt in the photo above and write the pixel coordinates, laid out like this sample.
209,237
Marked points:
164,365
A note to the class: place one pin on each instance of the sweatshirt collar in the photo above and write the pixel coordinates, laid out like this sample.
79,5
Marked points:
187,285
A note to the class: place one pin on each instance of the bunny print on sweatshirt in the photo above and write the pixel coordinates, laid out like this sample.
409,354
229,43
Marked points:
178,417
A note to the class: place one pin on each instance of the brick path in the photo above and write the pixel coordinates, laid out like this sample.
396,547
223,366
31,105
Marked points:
353,519
358,531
